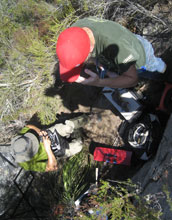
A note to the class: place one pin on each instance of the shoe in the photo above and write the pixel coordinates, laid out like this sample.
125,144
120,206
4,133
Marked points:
79,121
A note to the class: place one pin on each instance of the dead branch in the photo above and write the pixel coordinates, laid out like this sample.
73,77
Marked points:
142,10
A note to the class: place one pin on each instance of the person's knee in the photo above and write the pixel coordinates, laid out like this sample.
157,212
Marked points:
74,147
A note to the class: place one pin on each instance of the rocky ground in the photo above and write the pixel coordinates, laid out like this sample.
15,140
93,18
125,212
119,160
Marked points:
102,126
103,123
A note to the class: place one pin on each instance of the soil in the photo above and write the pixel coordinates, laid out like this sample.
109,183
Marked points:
104,120
102,123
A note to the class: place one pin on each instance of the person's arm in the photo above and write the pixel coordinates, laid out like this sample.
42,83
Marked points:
126,80
34,128
52,162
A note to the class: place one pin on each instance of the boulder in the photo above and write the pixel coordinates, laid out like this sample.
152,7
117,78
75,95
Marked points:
155,175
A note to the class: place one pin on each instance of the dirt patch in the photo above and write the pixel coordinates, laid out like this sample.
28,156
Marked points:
102,122
102,126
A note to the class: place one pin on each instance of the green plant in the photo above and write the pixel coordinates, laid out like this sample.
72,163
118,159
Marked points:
167,192
76,176
116,202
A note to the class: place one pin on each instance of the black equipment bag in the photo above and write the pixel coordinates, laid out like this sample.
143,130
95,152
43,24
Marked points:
142,135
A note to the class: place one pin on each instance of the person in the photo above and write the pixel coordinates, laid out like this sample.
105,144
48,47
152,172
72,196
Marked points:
38,150
116,52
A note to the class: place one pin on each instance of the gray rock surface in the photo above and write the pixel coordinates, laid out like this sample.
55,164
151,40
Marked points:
157,174
9,194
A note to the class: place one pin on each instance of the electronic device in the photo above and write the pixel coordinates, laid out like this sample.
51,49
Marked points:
125,101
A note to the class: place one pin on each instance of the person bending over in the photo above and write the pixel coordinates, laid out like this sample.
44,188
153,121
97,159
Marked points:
114,50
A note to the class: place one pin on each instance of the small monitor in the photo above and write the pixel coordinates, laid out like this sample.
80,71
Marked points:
125,101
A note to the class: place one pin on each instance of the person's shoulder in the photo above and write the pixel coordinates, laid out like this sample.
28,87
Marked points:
105,22
85,20
97,23
24,130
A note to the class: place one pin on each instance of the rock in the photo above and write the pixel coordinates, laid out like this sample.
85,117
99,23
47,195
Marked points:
9,194
157,173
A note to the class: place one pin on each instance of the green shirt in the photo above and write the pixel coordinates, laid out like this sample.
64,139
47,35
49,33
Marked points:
39,161
116,48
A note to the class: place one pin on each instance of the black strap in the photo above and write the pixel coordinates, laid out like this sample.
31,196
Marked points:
58,143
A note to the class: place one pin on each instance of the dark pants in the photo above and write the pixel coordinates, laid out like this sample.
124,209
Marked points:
150,75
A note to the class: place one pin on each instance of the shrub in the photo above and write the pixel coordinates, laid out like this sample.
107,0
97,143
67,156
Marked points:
116,202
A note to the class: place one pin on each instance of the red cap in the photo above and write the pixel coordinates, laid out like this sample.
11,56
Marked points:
73,47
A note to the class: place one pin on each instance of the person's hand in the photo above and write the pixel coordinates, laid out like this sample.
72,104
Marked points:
46,140
52,162
92,80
